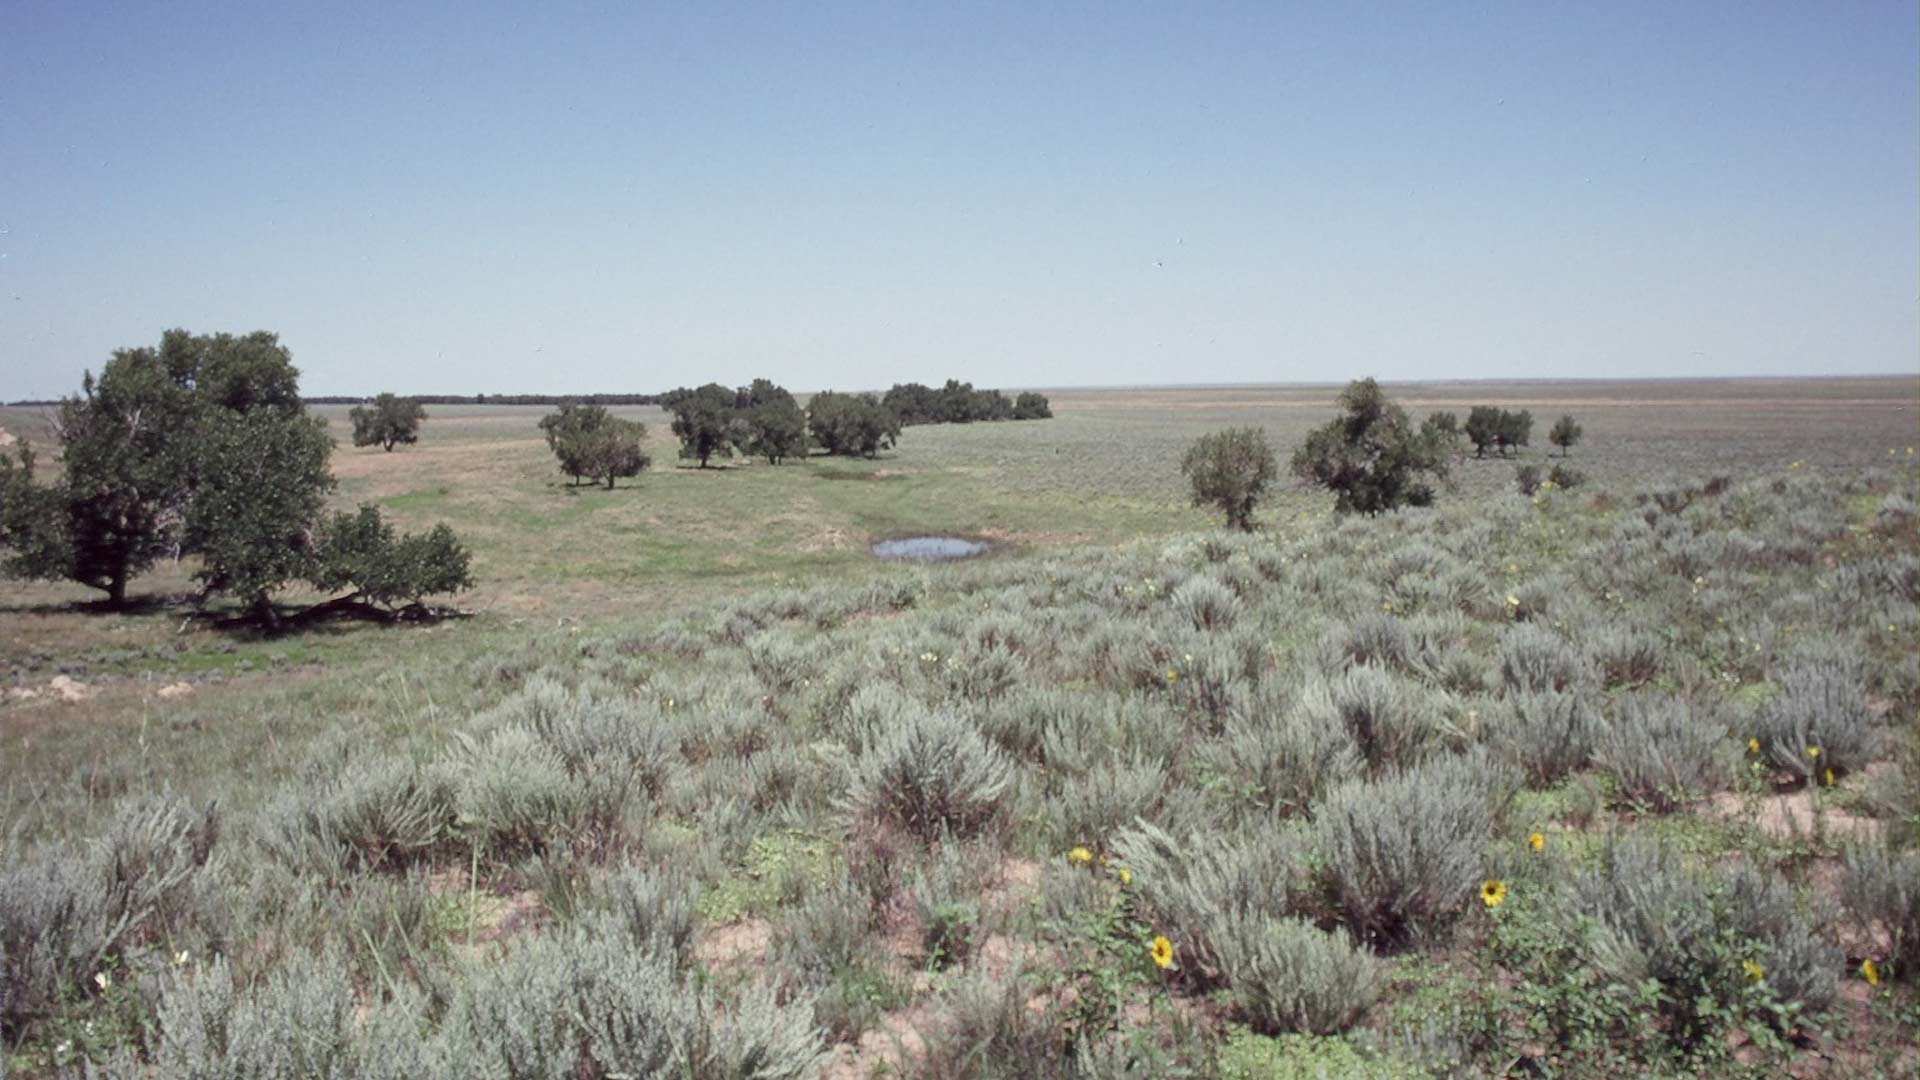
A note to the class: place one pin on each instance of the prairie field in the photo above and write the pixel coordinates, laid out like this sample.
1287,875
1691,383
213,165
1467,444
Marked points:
1612,780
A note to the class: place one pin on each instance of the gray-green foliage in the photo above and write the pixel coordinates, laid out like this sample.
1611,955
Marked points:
1882,893
1285,974
1817,721
1664,751
593,999
1547,733
1535,658
1642,914
932,774
370,813
66,916
1399,856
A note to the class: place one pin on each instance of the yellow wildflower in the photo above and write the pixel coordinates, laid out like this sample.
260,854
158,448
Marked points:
1172,675
1493,893
1126,876
1829,777
1537,841
1870,972
1162,952
1512,600
1753,745
1754,970
1813,752
1080,856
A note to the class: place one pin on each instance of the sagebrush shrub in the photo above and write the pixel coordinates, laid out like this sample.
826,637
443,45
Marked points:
1189,886
1624,656
1284,757
931,775
1206,603
1548,733
1642,914
1392,721
1882,893
1399,856
1287,975
1817,721
1664,751
373,813
1535,658
515,794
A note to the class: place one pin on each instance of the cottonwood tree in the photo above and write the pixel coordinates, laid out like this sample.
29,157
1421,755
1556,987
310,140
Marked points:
1371,458
1230,470
1516,429
387,421
1032,406
361,552
854,425
592,443
704,419
263,483
1566,432
201,446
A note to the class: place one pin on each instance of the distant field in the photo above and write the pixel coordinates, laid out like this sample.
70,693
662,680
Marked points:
723,642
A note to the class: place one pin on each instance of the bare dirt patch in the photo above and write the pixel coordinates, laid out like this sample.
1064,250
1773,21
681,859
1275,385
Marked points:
735,945
1794,814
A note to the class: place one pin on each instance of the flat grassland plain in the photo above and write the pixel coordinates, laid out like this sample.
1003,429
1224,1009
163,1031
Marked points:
879,820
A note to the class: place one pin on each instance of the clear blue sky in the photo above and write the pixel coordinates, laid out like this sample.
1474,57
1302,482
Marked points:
628,197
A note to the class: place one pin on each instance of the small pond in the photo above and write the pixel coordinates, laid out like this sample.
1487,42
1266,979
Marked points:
928,548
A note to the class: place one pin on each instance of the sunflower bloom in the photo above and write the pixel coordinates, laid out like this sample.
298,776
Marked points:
1162,952
1080,856
1753,969
1493,893
1537,841
1870,972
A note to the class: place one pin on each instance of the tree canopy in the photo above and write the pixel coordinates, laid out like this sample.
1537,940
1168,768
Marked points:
1230,470
594,444
853,425
1371,458
200,446
387,421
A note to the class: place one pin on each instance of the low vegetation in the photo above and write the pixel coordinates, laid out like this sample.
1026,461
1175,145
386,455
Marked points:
1617,781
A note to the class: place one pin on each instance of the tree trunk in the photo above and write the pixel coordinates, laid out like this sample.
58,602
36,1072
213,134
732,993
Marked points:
117,588
263,611
609,481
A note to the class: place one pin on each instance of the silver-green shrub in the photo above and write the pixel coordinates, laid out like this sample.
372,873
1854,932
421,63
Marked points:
1285,974
1882,893
1817,720
1535,658
1400,855
932,774
373,813
1547,733
1664,751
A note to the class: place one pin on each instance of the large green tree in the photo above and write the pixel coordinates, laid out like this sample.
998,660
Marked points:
262,486
592,443
704,420
1230,470
854,425
1371,457
387,421
200,446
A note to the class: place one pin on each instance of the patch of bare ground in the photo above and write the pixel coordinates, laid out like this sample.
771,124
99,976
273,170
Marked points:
735,946
1802,813
489,916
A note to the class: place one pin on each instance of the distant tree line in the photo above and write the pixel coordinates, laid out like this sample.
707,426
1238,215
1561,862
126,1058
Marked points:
203,447
960,403
1372,457
491,399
